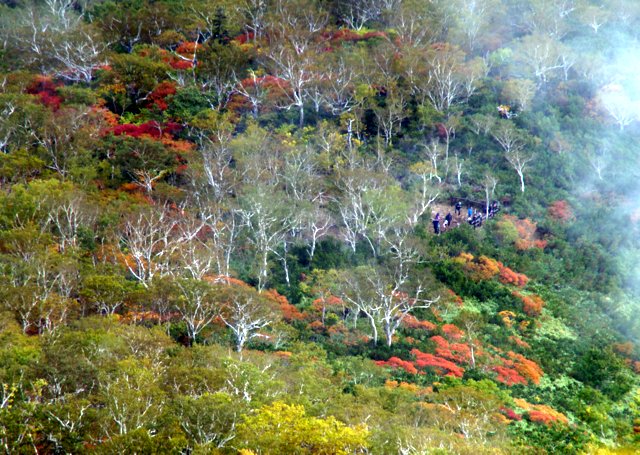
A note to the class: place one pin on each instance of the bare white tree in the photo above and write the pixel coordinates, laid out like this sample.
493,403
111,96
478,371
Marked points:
146,238
267,221
246,313
514,146
384,297
489,183
197,304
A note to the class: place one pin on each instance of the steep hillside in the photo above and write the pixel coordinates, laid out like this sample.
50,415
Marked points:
224,226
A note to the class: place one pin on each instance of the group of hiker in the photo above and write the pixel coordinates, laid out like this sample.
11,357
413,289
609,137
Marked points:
474,217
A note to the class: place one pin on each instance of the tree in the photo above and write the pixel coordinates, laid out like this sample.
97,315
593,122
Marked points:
267,221
548,17
282,428
208,419
513,144
246,312
619,104
519,93
69,212
198,304
52,37
391,113
473,21
131,398
446,79
540,56
146,238
385,297
106,292
356,13
296,71
489,182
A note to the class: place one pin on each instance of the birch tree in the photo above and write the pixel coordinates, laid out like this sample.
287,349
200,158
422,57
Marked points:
514,146
246,312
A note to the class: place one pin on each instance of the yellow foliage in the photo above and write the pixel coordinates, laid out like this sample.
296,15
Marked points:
283,428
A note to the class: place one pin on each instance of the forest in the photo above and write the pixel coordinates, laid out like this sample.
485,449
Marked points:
222,227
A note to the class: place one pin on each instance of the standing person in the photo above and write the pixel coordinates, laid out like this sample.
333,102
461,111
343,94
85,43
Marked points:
436,223
447,220
469,213
458,208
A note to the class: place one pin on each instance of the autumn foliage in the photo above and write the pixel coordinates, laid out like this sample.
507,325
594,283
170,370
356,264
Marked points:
508,276
411,322
438,364
159,96
508,376
396,362
541,413
481,268
456,352
531,304
46,90
560,211
151,129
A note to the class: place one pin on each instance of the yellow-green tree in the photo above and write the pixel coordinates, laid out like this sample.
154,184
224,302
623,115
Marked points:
280,428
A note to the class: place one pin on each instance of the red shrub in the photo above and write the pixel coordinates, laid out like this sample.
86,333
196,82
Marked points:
452,332
456,352
395,362
440,365
511,414
509,376
411,322
151,129
46,90
179,64
158,97
242,39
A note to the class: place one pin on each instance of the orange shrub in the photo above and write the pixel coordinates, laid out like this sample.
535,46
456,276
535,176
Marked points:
519,342
541,413
507,317
452,332
455,297
560,210
289,311
481,268
411,322
527,368
624,349
508,276
531,304
526,232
